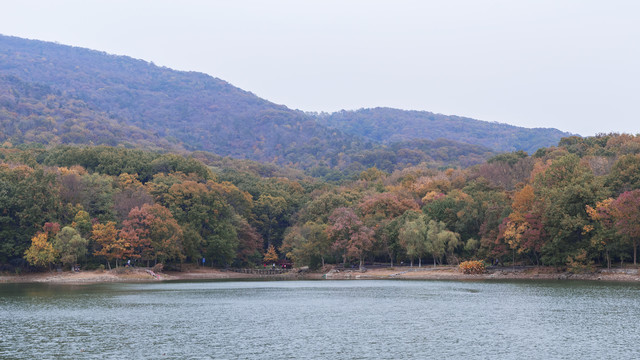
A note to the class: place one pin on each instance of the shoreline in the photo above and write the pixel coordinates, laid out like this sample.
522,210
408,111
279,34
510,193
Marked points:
402,273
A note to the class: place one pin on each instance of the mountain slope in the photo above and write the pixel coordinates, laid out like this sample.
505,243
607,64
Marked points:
202,112
387,125
144,105
32,113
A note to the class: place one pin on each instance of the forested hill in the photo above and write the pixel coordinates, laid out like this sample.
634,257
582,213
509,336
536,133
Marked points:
200,111
386,125
56,94
32,113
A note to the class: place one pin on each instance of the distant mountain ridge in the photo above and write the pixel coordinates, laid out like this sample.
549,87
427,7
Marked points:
387,125
187,110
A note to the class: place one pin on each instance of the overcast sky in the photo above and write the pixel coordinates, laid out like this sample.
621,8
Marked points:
572,65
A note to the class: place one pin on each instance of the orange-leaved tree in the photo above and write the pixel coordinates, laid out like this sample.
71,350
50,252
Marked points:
153,233
109,244
271,255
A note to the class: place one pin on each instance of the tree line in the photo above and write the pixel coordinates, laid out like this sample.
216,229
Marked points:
574,205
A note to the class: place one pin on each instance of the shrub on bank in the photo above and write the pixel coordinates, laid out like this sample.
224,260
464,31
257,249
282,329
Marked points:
157,268
580,263
472,267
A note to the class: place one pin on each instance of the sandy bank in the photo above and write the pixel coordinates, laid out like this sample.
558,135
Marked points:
453,273
81,277
131,275
424,273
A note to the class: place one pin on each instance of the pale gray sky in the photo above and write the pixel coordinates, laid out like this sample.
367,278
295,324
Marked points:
573,65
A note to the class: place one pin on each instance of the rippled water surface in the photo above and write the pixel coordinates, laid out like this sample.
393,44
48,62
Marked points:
321,319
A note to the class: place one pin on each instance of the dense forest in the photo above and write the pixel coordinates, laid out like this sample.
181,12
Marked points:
32,113
56,94
574,205
105,159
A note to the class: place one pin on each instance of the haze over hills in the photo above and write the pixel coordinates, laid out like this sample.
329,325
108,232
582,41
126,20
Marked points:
123,101
385,125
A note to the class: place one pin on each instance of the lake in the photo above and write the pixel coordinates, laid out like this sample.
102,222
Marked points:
321,319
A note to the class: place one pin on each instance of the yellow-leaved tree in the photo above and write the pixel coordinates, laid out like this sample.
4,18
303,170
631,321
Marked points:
41,252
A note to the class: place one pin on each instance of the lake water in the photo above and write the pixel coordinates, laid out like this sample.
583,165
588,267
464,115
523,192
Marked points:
366,319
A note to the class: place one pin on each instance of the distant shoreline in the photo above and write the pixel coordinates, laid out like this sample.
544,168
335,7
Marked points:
405,273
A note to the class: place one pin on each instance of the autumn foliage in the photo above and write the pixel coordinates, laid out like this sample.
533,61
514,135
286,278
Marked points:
573,206
271,256
351,237
109,244
472,267
390,192
41,252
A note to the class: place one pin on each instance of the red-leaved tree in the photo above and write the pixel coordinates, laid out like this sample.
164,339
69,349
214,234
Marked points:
626,212
349,234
